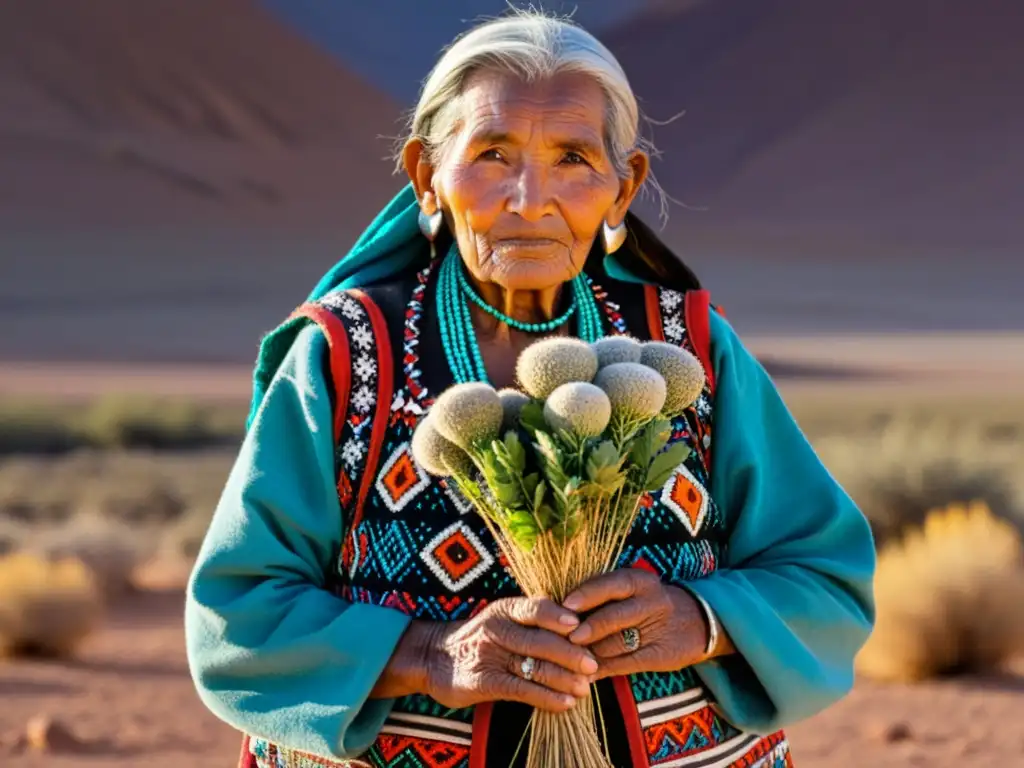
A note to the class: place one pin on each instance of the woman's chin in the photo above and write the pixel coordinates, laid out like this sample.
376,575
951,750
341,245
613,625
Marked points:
536,275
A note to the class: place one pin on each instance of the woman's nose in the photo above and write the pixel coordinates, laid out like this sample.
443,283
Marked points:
530,196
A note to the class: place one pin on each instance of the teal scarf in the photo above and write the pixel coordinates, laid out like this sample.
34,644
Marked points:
388,246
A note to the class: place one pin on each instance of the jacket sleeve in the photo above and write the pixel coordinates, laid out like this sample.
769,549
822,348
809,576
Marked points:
794,590
271,651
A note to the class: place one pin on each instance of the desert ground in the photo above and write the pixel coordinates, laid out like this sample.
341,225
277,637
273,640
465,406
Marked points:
127,700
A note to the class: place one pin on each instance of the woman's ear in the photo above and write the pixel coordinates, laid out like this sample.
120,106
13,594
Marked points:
421,173
639,165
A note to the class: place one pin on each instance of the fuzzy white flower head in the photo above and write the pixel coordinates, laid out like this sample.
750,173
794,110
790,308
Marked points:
512,402
546,365
467,413
635,391
682,371
436,454
617,349
578,407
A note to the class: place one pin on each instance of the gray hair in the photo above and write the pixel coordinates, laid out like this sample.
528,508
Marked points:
534,46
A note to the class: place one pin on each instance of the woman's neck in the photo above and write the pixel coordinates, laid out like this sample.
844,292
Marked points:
524,306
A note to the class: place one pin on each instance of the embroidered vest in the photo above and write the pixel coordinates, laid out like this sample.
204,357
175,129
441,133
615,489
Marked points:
414,544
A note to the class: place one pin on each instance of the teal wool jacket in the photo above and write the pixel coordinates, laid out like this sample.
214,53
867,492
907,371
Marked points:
274,654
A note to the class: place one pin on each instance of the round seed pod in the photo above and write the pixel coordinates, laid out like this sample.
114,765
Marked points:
682,371
578,407
436,454
546,365
617,349
512,402
635,391
466,413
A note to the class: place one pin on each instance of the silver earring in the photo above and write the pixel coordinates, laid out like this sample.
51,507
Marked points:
430,224
613,237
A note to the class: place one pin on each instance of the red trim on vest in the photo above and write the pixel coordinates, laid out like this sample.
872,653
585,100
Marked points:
385,383
340,360
698,324
246,759
631,717
653,313
481,733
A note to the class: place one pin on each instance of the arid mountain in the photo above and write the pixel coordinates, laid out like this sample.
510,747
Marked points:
855,162
393,44
174,176
160,113
897,123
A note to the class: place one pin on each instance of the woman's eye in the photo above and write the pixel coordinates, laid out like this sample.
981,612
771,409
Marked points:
491,154
573,158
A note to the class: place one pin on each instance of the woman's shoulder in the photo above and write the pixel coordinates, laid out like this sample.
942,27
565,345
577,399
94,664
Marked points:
389,296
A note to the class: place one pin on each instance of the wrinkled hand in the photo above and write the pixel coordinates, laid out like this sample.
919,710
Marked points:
480,660
673,629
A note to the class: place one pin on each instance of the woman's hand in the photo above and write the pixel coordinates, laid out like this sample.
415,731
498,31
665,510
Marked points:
469,662
673,630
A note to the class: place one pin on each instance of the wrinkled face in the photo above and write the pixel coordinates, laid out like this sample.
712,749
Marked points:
526,180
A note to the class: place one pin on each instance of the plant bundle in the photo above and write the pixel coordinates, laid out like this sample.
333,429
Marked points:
558,471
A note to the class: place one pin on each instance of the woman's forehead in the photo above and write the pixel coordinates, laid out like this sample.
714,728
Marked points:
499,103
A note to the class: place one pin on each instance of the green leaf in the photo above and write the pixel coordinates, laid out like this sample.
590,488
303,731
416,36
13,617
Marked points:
570,498
507,493
540,491
516,452
531,416
604,468
547,518
664,465
604,454
523,529
650,441
551,459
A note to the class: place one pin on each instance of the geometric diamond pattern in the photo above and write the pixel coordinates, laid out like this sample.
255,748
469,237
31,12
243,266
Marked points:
404,752
456,556
401,479
686,497
394,551
457,497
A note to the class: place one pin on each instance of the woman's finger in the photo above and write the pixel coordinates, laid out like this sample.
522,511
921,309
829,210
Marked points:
539,612
617,585
551,676
617,666
513,688
609,621
543,646
610,647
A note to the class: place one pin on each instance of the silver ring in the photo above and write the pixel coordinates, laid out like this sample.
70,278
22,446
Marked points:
631,639
528,667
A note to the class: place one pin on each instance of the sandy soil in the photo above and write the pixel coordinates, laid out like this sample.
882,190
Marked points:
129,702
939,363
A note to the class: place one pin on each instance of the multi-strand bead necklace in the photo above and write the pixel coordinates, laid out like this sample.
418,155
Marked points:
454,293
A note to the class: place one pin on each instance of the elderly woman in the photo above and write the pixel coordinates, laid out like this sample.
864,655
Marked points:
347,608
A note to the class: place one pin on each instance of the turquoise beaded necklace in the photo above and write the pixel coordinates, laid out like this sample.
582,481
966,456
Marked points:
458,337
544,327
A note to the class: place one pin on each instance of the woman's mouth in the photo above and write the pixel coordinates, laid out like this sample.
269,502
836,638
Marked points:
526,242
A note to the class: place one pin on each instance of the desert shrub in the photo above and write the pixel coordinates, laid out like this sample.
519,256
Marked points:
47,607
948,597
40,427
184,539
12,535
900,467
138,488
111,550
